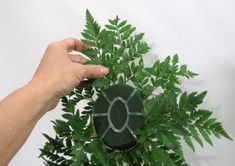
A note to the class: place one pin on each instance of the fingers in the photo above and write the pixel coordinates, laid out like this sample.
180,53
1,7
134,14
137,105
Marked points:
93,71
77,58
71,44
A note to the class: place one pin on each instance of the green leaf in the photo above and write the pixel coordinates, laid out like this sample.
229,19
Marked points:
113,22
195,135
110,27
90,52
125,28
139,37
180,130
205,135
100,83
121,24
188,140
128,33
160,155
87,36
69,107
91,24
175,59
67,116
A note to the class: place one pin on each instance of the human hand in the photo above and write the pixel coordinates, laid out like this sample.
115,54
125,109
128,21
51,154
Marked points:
60,72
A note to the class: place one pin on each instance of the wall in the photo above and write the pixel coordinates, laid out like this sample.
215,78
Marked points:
202,32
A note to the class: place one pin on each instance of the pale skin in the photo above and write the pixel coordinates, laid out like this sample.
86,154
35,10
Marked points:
58,73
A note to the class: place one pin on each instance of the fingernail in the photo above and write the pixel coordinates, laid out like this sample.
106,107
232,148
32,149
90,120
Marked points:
104,71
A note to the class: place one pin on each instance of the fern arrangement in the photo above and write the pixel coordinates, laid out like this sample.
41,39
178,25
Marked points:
171,114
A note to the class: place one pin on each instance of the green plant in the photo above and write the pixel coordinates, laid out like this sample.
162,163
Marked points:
171,114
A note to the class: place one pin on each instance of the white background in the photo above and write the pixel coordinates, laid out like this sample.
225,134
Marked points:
202,32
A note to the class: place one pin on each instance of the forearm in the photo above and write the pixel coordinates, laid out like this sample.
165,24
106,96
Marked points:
19,113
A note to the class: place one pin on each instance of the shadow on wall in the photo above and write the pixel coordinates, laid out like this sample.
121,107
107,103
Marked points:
196,160
229,75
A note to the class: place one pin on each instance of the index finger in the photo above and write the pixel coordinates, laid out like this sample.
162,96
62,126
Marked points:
71,44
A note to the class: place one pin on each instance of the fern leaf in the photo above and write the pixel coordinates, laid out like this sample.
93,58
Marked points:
171,114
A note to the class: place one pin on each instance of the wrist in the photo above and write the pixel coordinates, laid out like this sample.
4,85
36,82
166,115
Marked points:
42,92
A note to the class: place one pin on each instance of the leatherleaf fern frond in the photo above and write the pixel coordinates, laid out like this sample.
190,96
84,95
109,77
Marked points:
171,113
